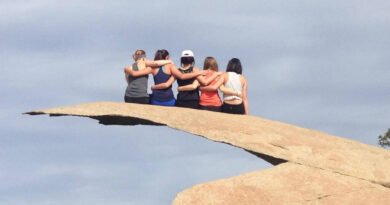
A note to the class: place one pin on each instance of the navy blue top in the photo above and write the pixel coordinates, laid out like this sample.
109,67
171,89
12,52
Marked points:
162,95
187,95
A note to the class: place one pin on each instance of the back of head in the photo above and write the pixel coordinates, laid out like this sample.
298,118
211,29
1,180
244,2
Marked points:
161,54
210,63
187,58
234,65
138,54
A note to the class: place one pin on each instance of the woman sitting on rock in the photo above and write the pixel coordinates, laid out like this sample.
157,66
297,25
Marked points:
137,78
234,88
164,76
209,100
188,95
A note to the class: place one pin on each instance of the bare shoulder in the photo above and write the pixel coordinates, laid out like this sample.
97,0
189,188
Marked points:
225,77
127,68
168,68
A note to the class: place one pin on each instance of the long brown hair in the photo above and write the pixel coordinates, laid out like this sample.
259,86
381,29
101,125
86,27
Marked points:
210,63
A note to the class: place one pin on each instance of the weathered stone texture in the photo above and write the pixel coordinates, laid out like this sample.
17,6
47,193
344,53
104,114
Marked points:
320,168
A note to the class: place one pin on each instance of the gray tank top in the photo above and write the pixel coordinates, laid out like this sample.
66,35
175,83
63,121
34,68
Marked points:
137,86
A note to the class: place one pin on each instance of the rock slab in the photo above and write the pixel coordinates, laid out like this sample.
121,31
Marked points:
312,167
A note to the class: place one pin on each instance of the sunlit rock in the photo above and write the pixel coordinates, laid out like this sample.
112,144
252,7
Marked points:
312,167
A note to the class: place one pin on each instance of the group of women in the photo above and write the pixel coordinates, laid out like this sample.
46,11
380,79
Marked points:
197,88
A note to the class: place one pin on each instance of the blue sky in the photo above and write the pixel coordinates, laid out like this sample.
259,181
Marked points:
323,65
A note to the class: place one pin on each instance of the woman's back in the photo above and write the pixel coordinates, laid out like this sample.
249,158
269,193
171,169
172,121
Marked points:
210,98
234,83
137,86
190,95
160,76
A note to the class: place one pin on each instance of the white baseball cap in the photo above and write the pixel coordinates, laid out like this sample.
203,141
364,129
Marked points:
187,53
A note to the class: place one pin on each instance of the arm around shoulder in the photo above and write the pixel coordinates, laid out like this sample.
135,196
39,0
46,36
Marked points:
182,76
164,85
157,63
189,87
215,86
137,73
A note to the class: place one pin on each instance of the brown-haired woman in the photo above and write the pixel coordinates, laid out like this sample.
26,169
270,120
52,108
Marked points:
209,99
234,88
234,80
188,95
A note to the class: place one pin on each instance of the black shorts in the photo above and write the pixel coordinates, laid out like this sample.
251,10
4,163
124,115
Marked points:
233,109
211,108
188,104
141,100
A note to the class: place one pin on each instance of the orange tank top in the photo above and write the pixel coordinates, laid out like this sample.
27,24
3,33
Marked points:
210,98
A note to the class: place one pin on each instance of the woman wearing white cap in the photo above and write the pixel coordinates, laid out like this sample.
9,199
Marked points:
163,76
188,95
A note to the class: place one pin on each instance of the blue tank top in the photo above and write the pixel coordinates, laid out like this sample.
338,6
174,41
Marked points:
162,95
187,95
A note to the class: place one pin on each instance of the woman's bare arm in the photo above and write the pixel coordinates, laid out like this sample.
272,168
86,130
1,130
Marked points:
175,72
245,95
229,91
215,86
205,81
137,73
126,73
157,63
164,85
189,87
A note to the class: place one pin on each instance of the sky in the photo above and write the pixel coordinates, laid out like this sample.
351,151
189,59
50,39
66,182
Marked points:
322,65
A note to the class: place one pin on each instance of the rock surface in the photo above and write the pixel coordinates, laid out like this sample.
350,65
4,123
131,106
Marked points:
286,183
312,167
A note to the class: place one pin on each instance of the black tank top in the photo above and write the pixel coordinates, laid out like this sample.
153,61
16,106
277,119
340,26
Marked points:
187,95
